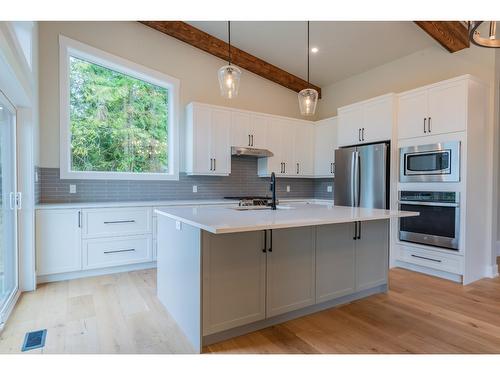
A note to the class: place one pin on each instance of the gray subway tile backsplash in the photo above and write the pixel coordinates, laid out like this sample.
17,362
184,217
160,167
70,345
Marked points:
242,181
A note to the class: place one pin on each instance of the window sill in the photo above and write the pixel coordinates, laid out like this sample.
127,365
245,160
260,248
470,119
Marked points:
72,175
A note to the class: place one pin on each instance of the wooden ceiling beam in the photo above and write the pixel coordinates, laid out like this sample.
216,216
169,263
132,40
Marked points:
208,43
452,35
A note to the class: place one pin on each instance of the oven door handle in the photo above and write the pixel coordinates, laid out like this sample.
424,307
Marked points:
437,204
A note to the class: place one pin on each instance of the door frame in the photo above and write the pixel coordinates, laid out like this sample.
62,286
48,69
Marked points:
12,299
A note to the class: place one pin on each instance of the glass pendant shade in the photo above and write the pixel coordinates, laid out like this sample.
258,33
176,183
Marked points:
308,99
475,37
229,80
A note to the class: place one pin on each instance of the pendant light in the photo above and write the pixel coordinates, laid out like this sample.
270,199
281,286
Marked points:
308,97
229,75
476,38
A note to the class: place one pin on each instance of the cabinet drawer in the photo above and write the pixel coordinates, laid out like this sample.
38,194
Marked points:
118,221
107,252
432,259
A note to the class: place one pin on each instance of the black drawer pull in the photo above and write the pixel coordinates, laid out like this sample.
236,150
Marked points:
119,222
118,251
434,260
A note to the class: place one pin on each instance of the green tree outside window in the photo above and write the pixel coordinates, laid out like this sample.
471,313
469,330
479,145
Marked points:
118,123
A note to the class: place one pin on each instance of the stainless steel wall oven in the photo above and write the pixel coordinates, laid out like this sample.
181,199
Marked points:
439,221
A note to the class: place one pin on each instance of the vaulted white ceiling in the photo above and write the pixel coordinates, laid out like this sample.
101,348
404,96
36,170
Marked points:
345,48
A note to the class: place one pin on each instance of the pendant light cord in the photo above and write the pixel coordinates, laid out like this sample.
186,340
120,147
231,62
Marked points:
308,53
229,39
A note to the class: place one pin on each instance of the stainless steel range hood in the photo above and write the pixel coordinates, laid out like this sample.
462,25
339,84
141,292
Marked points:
250,152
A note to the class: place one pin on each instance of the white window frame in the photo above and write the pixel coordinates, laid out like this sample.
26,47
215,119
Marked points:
72,48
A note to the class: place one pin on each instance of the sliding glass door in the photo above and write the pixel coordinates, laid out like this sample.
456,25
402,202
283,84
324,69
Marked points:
8,214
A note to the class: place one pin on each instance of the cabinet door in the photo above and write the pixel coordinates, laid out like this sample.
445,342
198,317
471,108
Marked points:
335,261
201,134
325,142
220,143
448,108
275,145
378,119
258,129
290,270
234,280
288,139
303,150
412,111
240,129
350,122
372,254
58,241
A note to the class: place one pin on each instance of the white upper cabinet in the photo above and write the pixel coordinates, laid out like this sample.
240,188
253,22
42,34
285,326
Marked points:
248,129
208,148
291,141
303,150
435,109
366,122
325,143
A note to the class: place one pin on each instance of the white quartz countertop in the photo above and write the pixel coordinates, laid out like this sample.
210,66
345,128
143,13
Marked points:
186,202
217,219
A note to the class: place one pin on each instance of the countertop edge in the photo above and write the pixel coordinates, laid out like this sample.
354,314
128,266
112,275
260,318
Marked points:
298,224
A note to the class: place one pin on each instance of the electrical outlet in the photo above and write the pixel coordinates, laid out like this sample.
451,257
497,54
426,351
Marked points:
329,189
72,189
195,188
287,188
178,225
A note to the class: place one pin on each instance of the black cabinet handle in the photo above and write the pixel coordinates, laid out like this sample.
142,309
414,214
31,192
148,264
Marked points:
433,260
359,134
215,165
271,241
429,125
119,222
249,143
265,241
425,121
359,230
362,134
118,251
252,139
79,219
355,231
297,168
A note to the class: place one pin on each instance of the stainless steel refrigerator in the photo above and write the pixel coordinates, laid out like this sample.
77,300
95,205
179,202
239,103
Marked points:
362,176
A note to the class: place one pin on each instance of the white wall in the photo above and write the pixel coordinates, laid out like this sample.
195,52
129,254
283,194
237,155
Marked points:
141,44
418,69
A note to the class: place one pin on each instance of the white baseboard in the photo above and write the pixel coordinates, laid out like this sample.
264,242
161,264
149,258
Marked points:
96,272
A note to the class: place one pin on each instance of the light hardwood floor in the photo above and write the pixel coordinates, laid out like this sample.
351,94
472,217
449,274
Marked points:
120,314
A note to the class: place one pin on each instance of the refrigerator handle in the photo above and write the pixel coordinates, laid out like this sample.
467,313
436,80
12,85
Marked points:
355,179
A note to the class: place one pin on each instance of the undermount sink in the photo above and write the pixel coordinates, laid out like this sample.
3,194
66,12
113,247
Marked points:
255,208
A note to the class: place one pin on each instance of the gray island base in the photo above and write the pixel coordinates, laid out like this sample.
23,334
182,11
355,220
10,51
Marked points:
217,282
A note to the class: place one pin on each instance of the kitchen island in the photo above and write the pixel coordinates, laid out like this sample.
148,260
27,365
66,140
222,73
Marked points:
223,271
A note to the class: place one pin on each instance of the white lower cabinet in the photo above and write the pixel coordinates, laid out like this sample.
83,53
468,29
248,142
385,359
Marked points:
290,270
234,280
116,251
335,261
69,240
58,241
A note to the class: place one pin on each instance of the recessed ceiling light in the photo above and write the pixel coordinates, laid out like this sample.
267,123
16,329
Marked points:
314,50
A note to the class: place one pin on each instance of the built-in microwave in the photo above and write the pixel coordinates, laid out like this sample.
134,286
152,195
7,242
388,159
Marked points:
438,162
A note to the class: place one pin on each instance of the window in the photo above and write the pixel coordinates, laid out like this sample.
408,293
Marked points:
118,119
